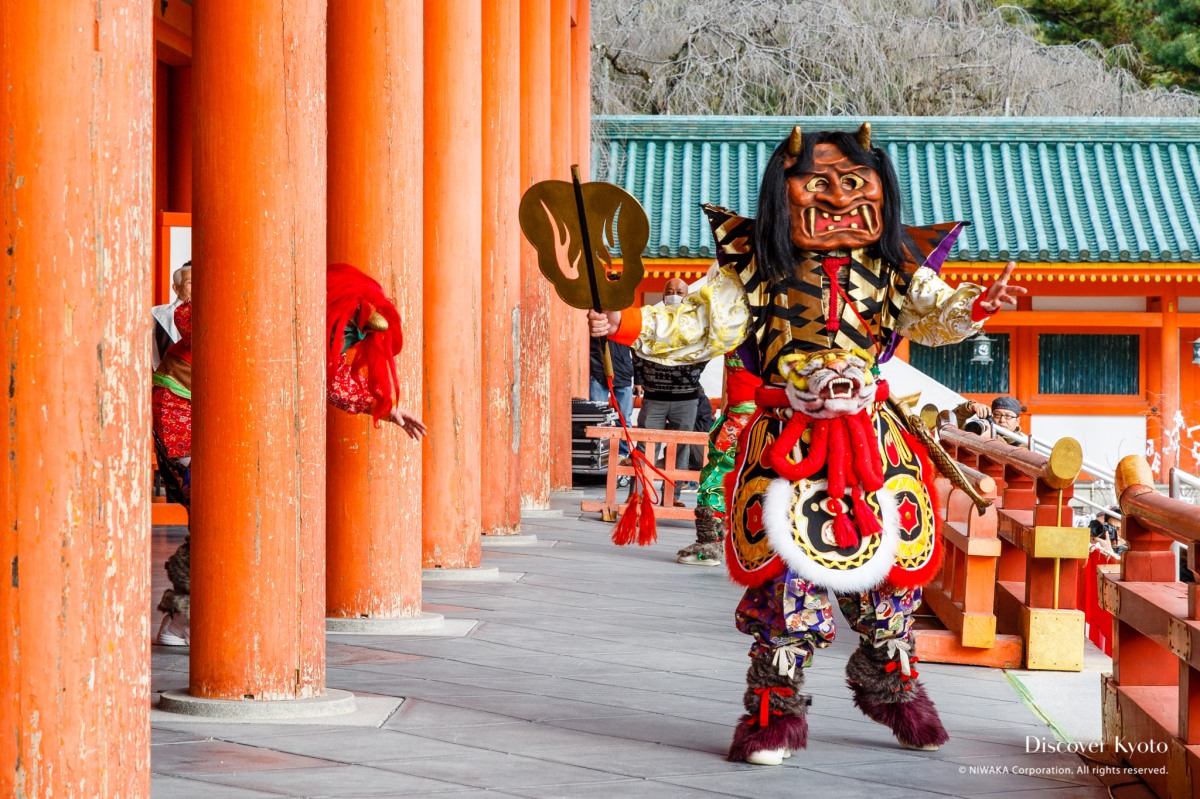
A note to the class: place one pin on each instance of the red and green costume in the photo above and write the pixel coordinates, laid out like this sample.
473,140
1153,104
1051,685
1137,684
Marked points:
363,340
722,453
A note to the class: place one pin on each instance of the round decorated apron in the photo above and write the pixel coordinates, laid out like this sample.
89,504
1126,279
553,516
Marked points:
776,523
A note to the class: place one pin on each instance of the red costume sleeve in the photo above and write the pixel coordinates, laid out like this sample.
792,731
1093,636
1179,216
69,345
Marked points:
348,391
978,313
173,422
740,386
630,327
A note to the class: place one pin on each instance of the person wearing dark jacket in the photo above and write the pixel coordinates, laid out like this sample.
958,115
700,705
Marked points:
622,364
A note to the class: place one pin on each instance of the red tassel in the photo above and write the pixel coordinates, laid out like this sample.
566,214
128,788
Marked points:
782,448
866,462
843,529
882,390
868,522
832,267
839,459
779,456
647,525
625,532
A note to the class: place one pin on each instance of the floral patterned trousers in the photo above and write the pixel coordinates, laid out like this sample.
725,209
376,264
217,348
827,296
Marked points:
794,615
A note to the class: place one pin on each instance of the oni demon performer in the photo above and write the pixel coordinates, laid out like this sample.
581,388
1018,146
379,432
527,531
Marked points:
829,492
363,340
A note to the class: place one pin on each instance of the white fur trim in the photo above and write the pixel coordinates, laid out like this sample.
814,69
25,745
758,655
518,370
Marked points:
777,506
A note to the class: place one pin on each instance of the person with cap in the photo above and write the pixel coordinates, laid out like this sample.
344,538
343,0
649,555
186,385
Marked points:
975,417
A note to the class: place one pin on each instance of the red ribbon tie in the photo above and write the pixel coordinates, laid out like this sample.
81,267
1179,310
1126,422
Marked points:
764,705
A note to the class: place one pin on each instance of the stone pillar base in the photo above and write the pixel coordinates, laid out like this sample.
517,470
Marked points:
500,541
333,703
472,575
413,625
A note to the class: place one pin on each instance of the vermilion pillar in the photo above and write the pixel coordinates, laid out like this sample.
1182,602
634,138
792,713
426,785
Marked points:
375,166
76,103
258,441
179,139
564,320
501,500
533,415
581,145
1170,439
452,242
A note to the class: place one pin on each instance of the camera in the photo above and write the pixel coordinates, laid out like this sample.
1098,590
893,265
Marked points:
977,426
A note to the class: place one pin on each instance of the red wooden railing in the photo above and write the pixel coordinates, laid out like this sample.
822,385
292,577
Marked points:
963,594
1038,567
611,505
1151,701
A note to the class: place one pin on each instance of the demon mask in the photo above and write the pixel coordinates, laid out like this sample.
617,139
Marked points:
837,204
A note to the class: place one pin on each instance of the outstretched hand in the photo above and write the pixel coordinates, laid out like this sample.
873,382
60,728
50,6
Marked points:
1000,292
603,323
410,424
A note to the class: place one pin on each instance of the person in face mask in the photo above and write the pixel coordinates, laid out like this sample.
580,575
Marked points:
674,291
669,392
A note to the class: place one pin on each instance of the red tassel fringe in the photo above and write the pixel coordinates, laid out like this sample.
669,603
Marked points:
847,446
636,523
625,531
868,522
647,525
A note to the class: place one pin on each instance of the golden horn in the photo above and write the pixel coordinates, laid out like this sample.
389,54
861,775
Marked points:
376,322
794,142
864,135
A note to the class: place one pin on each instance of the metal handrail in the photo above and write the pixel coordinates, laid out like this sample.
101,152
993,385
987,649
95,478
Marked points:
1058,468
1179,479
1098,472
1109,511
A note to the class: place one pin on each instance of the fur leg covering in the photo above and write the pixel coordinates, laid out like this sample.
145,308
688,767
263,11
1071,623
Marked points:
172,602
784,732
882,696
709,531
179,568
787,724
177,598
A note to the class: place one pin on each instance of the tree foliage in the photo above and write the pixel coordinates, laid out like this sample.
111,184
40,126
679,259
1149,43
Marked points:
1172,41
1158,40
865,57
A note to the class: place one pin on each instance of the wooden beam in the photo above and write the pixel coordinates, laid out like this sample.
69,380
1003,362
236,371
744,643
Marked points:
1098,319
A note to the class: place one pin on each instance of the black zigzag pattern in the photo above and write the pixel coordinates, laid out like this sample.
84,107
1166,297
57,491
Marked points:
790,317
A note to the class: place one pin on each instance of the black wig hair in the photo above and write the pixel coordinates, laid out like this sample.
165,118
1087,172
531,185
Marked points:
774,251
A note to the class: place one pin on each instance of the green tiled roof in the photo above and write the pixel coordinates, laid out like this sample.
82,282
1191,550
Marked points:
1033,189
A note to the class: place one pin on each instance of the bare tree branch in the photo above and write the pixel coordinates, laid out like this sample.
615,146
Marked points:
867,57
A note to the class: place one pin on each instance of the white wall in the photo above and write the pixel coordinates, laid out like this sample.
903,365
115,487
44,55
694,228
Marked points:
181,252
1127,304
1105,439
905,380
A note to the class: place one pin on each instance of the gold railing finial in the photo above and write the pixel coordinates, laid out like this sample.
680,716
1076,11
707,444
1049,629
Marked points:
1133,470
